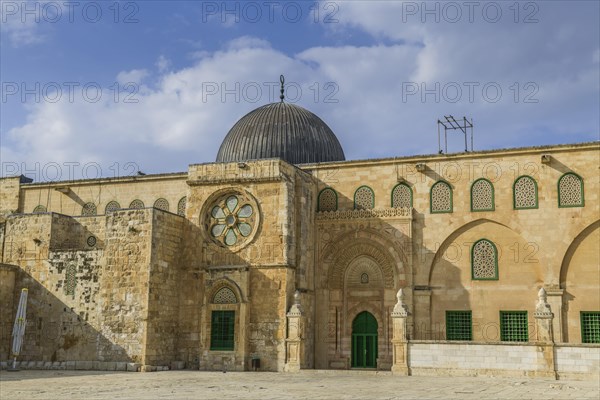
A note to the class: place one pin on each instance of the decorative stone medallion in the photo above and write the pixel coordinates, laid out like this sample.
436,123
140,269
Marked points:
91,241
232,220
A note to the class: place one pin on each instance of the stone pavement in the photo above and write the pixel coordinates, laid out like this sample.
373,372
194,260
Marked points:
265,385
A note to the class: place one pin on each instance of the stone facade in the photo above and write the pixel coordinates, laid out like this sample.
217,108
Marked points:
140,285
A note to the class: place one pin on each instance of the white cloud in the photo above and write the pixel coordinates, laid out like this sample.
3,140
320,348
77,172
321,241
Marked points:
245,42
163,63
185,115
132,76
22,29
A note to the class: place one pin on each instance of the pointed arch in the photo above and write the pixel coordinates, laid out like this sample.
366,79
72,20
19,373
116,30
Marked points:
402,196
111,207
570,190
364,198
571,250
525,193
161,204
225,283
482,195
440,198
89,209
484,260
327,200
452,237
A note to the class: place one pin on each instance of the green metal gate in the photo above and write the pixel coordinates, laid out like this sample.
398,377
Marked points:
364,341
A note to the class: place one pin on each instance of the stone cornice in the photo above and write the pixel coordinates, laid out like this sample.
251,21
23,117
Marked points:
378,213
207,181
496,153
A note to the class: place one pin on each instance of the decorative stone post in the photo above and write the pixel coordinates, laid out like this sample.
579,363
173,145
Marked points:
543,318
543,325
295,338
399,341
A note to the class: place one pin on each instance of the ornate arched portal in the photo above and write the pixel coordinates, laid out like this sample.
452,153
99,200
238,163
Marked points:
362,273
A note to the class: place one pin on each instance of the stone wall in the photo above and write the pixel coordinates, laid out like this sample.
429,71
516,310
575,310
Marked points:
191,289
502,359
163,288
63,315
475,359
7,317
9,195
577,361
124,286
267,322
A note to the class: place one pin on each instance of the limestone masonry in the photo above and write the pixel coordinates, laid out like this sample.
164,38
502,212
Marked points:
472,263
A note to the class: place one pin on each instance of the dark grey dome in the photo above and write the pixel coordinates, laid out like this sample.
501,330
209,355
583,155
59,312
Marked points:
281,130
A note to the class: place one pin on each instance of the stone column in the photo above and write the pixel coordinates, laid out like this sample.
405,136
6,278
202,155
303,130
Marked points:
294,342
545,338
555,299
399,340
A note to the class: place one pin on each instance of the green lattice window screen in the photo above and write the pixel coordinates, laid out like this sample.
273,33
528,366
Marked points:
590,327
525,194
458,325
70,279
513,326
327,200
222,330
570,191
440,198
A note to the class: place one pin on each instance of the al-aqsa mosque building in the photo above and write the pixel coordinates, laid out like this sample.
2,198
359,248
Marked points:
282,255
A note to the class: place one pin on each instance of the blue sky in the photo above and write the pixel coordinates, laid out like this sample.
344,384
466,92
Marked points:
174,76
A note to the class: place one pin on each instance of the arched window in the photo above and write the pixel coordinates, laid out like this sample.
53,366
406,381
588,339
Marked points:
39,209
181,206
570,190
327,200
88,209
364,198
440,198
222,329
482,195
224,296
402,196
525,193
112,206
136,204
162,204
484,260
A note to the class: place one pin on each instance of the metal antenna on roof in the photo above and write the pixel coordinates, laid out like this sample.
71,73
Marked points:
451,124
282,80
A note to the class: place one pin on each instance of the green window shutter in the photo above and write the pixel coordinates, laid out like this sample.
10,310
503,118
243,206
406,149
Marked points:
590,326
222,330
458,325
513,326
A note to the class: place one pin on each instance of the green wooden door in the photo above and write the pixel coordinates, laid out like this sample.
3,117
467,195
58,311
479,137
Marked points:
364,341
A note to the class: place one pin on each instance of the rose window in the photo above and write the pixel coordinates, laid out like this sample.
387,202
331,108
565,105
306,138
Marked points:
232,220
